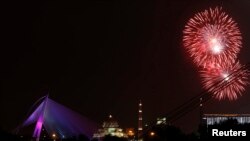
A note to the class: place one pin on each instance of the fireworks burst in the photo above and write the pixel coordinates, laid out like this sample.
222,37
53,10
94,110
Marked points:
212,37
225,81
213,40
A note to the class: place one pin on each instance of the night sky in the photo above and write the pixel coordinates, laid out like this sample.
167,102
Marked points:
100,57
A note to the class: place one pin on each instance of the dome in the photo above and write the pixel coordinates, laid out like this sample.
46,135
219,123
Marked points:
110,123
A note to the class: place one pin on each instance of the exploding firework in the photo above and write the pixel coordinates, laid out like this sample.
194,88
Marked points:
212,37
225,81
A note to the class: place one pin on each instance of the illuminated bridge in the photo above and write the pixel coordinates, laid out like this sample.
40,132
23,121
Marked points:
57,120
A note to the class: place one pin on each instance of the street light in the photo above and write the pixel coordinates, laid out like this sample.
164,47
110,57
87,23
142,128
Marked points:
152,133
54,136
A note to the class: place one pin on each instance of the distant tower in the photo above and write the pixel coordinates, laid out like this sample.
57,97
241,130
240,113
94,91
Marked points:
140,128
201,110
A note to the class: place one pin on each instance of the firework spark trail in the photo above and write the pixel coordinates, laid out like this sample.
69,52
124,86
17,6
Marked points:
233,76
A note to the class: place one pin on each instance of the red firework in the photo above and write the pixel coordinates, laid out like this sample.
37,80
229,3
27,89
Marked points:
225,81
212,37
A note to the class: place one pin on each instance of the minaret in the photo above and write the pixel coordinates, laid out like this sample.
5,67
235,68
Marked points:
201,110
140,128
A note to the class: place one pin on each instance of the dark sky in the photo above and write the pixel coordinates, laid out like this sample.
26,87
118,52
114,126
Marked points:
99,57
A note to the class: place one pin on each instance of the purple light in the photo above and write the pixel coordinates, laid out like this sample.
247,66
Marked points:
56,118
38,127
39,124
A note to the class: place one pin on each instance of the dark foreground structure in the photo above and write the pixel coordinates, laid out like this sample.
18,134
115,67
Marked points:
213,126
226,129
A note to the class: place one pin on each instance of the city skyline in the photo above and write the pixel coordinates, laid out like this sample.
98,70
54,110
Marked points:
101,57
